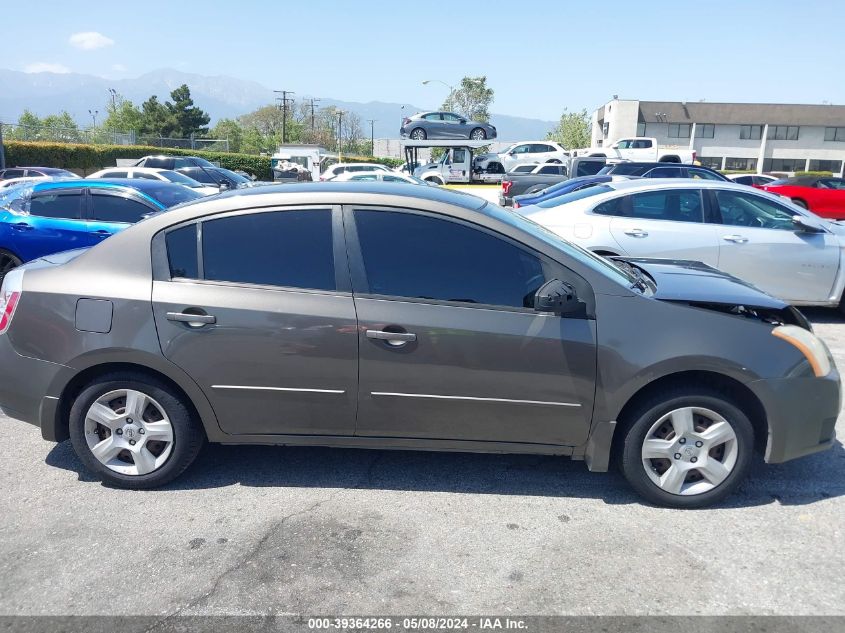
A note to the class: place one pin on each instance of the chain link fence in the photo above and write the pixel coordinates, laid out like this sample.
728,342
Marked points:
103,136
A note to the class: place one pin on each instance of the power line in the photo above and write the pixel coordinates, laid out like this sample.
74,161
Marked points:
313,101
283,106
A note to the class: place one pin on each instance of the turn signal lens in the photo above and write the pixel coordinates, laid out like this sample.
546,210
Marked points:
808,344
8,304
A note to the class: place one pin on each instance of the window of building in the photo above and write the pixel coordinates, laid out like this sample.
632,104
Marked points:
111,208
182,252
751,132
605,128
679,130
713,162
833,166
783,132
641,128
784,164
422,257
705,130
834,134
277,248
741,164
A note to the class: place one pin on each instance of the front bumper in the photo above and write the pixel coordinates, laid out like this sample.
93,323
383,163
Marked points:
801,413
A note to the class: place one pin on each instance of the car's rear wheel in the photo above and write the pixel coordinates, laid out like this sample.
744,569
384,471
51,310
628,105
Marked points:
800,203
418,134
478,134
688,448
8,261
134,431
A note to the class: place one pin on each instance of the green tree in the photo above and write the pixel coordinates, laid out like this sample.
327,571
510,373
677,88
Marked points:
229,129
189,119
28,128
573,130
472,99
122,116
60,127
156,118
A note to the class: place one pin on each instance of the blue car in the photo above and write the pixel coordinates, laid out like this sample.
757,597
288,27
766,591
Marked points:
37,219
553,191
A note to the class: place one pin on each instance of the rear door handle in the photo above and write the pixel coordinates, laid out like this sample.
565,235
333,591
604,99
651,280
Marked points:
22,226
392,338
193,319
102,233
736,239
637,233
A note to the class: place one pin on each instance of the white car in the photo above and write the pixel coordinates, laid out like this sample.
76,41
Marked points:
534,152
154,173
340,168
379,175
12,182
760,238
752,179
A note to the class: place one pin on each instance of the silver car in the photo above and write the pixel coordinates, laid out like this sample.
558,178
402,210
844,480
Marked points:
444,126
761,238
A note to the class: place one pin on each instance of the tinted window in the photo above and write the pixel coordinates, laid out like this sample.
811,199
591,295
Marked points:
665,172
408,255
53,205
575,195
182,252
13,173
549,169
832,183
625,170
113,208
745,209
144,175
393,179
589,167
677,205
157,161
703,174
279,248
168,194
115,174
200,175
745,180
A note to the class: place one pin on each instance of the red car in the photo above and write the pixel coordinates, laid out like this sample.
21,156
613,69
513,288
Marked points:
823,195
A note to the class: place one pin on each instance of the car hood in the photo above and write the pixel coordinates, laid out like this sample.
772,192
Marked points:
682,280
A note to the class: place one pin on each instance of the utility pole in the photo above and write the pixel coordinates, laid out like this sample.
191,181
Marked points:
340,114
372,137
284,108
2,149
313,101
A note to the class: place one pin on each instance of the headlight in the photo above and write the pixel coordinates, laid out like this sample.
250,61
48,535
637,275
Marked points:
808,344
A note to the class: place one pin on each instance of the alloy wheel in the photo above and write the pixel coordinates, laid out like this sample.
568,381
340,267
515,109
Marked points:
418,135
478,135
690,451
129,432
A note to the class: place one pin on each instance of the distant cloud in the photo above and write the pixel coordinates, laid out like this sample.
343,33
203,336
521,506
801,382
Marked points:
45,67
90,40
119,68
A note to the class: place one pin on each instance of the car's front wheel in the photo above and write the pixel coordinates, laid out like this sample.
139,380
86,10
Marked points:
688,448
134,431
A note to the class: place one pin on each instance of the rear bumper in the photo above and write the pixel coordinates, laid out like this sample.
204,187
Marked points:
505,202
801,413
25,388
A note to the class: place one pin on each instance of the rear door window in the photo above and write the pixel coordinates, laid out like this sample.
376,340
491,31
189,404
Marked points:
108,207
115,174
677,205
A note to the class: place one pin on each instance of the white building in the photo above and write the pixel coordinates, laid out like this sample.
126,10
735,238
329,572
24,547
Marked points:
763,137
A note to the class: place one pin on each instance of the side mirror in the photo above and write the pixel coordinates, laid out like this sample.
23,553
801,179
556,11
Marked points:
557,296
803,223
463,121
225,185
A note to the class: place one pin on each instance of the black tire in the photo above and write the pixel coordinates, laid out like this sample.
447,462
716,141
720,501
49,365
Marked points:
799,202
418,134
473,136
640,421
8,261
188,435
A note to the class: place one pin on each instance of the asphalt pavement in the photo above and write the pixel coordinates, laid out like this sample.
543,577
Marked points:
264,530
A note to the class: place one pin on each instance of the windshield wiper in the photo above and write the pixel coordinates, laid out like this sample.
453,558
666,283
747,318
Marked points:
639,282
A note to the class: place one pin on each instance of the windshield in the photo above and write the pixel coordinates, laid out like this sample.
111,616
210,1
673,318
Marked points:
780,181
596,262
236,178
168,195
181,179
574,195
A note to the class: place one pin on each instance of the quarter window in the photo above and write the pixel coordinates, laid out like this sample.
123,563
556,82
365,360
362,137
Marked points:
421,257
109,208
54,205
182,252
745,209
277,248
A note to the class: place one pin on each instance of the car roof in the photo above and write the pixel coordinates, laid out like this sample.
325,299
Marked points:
47,170
647,184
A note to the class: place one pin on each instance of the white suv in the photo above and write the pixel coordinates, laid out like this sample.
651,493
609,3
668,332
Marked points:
341,168
534,152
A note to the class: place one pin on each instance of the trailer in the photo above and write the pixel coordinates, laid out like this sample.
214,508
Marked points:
290,162
456,164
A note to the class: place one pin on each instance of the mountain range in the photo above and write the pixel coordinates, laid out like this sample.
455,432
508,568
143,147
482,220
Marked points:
220,96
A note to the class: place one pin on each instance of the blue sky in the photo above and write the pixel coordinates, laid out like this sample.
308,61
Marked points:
540,56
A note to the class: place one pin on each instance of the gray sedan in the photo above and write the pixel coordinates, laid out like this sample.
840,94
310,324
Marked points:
444,126
378,315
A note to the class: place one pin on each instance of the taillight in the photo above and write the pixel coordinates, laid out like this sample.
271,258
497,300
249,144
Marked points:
8,303
405,121
506,186
515,204
694,156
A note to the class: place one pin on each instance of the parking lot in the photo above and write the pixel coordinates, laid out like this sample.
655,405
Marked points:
262,530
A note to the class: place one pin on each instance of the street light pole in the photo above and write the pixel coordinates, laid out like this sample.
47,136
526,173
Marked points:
449,103
284,100
313,101
340,114
372,136
94,114
113,94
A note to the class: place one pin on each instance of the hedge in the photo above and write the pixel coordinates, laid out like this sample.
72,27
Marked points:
90,158
814,173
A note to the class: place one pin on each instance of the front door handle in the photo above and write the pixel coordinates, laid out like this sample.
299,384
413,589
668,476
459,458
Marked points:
191,319
392,338
736,239
22,226
637,233
102,233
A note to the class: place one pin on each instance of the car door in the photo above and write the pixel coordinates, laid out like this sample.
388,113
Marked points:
666,223
830,196
113,210
263,319
760,243
450,346
452,126
434,127
53,223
